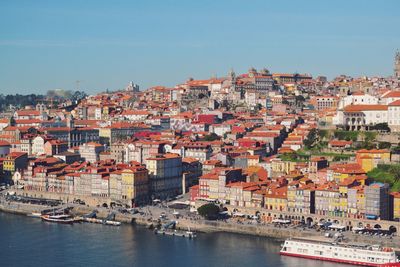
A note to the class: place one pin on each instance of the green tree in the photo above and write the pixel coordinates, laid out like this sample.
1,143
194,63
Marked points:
386,173
395,171
209,211
384,145
324,134
211,137
346,135
311,138
381,127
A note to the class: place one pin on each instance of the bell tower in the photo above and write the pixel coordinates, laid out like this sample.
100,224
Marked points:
70,121
397,65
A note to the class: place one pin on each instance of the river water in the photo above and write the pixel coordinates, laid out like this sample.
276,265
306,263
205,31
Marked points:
28,241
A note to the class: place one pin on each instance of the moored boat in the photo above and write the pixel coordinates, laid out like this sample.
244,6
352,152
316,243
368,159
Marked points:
63,218
355,254
115,223
189,234
35,214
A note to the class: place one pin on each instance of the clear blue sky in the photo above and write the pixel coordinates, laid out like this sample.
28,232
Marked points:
105,44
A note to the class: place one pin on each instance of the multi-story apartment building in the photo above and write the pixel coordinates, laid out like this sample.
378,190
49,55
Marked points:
276,199
242,194
377,201
191,171
38,145
165,175
73,136
369,159
100,184
15,161
91,151
117,150
141,150
301,197
53,147
395,200
201,152
361,117
116,186
212,185
356,202
119,131
135,185
325,102
327,201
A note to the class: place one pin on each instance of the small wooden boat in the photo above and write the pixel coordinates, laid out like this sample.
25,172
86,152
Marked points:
35,215
64,218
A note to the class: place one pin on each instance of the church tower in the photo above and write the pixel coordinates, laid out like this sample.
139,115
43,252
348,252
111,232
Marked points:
70,121
397,65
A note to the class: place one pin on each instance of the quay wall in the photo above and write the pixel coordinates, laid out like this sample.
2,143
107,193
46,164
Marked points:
66,198
208,226
267,214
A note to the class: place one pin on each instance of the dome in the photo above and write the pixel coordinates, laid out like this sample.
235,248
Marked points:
252,70
265,71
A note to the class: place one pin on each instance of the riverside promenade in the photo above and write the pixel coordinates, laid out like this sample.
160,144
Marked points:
150,216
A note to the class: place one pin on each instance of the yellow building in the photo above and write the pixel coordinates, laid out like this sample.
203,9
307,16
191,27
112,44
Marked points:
343,199
361,202
253,160
276,199
369,159
291,196
340,176
135,184
279,166
15,161
396,205
115,186
341,172
328,201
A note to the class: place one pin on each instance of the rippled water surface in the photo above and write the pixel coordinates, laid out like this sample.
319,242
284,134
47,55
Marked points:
28,241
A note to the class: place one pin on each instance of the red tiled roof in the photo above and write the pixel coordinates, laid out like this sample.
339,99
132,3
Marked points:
392,94
358,108
4,143
395,103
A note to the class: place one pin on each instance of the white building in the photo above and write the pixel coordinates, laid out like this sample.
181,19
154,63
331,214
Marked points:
390,97
98,113
135,115
38,145
91,151
358,98
360,117
394,116
220,129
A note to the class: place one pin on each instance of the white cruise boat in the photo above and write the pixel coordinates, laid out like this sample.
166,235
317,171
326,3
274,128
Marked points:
356,254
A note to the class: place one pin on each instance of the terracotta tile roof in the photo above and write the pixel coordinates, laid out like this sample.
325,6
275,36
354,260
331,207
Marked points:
209,176
392,94
340,143
395,103
4,143
358,108
28,112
